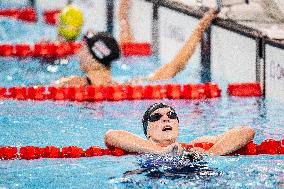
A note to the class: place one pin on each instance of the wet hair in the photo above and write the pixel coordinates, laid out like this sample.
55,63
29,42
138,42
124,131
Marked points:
149,111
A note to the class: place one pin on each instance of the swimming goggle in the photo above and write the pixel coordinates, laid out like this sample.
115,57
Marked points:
157,116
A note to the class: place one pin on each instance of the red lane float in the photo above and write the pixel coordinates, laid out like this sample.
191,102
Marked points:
6,50
41,49
244,89
25,14
50,16
55,49
136,49
268,146
113,93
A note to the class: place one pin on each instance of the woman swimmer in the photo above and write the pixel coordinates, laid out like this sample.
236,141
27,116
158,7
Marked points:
161,127
98,52
70,22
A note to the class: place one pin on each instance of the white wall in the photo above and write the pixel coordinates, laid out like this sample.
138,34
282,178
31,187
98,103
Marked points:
233,56
94,14
174,29
50,4
94,11
140,16
274,73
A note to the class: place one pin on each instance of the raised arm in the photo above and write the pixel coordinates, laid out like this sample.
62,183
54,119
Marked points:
179,62
125,33
133,143
229,141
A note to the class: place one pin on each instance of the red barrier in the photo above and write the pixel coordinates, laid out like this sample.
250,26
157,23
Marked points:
268,146
113,92
174,91
134,92
28,15
75,47
31,152
74,93
62,50
72,152
19,93
6,49
94,151
41,49
8,152
212,90
244,89
44,50
57,93
36,93
194,91
23,50
25,14
12,12
51,152
50,16
95,93
155,92
3,92
136,49
118,152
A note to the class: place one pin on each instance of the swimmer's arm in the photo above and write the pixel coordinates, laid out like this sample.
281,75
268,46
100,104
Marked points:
133,143
126,33
71,81
179,62
229,141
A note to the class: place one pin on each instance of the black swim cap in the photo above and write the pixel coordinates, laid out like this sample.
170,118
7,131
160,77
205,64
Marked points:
103,47
150,110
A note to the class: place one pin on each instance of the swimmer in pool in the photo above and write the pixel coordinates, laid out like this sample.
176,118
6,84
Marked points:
100,49
70,22
161,127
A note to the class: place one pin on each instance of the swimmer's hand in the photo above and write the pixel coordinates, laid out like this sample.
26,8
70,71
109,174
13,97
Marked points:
174,149
70,81
191,155
208,17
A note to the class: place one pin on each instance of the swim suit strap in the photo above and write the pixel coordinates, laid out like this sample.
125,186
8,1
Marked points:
88,80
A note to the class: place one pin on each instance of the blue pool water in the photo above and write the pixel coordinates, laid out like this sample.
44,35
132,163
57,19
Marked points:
83,124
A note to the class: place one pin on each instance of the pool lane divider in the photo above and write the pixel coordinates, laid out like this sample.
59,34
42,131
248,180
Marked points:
113,93
50,16
268,147
27,14
56,49
136,49
62,49
244,89
41,49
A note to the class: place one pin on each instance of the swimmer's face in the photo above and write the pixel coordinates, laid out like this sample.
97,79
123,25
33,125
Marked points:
164,128
87,62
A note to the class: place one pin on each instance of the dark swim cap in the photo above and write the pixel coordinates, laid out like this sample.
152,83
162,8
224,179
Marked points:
103,47
150,110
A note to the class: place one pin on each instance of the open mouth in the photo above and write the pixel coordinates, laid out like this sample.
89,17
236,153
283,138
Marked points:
167,128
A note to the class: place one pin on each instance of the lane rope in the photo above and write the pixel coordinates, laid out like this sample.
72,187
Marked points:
268,147
112,93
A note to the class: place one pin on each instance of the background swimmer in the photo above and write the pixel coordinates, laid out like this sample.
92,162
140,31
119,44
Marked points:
70,22
97,73
161,127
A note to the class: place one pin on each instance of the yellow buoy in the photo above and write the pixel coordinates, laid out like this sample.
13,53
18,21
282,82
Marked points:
70,22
